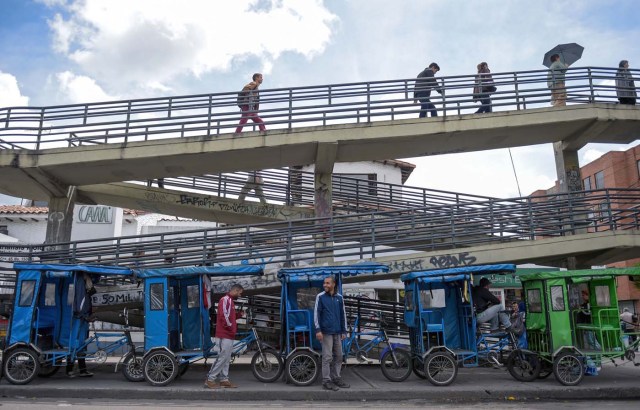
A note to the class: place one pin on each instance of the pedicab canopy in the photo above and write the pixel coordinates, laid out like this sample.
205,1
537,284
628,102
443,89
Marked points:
41,292
554,299
454,274
233,270
429,302
317,274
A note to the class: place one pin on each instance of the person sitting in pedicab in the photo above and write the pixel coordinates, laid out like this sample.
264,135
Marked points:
488,307
584,317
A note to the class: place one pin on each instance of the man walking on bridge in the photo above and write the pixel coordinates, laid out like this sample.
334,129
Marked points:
422,90
249,103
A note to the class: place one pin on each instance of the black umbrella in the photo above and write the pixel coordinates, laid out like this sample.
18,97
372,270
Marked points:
569,53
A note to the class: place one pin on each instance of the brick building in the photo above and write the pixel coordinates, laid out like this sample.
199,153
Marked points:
615,169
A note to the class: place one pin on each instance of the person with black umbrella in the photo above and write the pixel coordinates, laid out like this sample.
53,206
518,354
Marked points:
555,81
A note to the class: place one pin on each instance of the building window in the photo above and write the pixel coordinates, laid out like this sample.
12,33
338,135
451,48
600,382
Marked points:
599,176
587,183
638,166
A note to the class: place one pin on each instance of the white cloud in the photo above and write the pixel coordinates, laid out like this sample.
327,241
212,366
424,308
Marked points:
152,41
10,95
80,89
591,155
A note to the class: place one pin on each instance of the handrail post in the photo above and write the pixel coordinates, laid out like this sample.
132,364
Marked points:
515,83
40,129
290,108
368,102
591,91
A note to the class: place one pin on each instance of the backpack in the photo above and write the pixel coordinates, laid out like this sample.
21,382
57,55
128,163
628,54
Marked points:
243,98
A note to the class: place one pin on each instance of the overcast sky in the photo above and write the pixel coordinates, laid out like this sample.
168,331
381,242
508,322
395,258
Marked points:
68,51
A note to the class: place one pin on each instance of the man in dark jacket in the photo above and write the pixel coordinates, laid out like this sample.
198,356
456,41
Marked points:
422,91
330,321
488,307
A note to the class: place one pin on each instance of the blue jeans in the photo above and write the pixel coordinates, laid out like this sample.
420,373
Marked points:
427,105
485,100
492,315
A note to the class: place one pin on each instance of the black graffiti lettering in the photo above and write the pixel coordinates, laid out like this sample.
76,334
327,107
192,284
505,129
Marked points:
452,261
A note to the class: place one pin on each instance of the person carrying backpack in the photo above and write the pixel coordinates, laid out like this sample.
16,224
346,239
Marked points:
249,103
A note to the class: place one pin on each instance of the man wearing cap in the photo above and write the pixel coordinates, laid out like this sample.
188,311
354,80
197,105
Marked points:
422,92
488,307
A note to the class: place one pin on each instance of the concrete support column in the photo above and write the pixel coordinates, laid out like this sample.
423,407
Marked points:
574,217
60,220
323,199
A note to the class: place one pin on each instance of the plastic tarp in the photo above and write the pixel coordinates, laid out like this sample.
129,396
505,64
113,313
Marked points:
234,270
319,273
479,269
62,270
23,307
575,275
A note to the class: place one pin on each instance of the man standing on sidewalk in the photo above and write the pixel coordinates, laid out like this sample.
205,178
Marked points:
226,329
330,321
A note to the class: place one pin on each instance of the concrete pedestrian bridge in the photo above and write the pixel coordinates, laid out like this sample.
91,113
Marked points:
94,153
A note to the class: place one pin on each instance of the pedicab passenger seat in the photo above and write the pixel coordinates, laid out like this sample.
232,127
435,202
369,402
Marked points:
299,324
433,322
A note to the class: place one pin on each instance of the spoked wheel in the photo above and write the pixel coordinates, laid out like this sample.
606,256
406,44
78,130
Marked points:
418,368
568,369
132,367
21,365
396,365
99,357
267,365
440,368
302,368
159,368
523,366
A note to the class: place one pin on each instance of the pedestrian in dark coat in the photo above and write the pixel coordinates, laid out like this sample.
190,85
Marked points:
625,86
484,86
422,91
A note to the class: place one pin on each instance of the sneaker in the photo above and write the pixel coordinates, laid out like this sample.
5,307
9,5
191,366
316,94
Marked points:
340,383
228,385
85,373
330,386
210,384
71,375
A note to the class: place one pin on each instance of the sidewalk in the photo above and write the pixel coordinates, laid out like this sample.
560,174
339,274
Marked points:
367,384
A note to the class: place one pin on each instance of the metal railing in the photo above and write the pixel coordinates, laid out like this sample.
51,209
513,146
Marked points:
296,188
363,236
211,115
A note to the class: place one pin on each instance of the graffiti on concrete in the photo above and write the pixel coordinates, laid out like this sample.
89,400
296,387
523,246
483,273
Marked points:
452,261
157,197
255,209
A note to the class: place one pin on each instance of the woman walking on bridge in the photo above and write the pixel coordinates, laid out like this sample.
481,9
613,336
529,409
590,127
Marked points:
249,103
483,88
625,86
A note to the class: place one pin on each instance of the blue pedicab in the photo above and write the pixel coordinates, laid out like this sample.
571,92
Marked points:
299,346
177,324
44,333
443,330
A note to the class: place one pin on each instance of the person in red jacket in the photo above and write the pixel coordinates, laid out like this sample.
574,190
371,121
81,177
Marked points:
226,328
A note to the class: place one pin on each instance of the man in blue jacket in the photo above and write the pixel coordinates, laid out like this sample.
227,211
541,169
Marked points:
330,321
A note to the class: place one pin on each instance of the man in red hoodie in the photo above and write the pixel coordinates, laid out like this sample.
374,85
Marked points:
226,328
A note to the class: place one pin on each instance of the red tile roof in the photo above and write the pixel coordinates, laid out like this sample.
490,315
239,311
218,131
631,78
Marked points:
25,210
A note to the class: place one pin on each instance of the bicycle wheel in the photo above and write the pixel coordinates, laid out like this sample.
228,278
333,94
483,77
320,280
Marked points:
568,369
21,365
440,368
267,365
418,368
523,366
99,357
396,365
302,368
132,367
159,368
